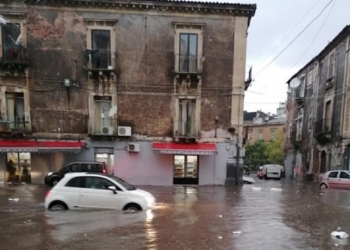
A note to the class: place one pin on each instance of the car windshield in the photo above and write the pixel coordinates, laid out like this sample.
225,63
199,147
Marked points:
126,185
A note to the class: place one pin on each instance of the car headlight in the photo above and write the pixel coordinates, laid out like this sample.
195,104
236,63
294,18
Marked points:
149,199
50,173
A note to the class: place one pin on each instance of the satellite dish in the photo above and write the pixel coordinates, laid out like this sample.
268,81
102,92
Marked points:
294,83
112,111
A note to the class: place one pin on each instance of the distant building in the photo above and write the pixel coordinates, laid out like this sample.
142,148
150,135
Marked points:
260,126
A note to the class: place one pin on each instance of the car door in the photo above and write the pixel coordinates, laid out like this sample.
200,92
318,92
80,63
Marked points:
344,180
95,194
332,179
71,192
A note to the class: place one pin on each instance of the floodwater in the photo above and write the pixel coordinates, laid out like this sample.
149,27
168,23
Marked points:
266,215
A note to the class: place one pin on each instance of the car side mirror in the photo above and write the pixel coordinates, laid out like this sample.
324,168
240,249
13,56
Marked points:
112,188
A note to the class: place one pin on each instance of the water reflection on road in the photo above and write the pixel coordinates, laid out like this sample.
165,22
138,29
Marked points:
268,215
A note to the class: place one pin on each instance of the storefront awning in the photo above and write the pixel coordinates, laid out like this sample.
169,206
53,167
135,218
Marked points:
39,146
184,148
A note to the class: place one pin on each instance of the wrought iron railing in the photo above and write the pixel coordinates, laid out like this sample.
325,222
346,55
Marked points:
100,58
188,64
14,54
187,129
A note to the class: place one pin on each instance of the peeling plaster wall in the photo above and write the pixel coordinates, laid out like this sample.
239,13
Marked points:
145,61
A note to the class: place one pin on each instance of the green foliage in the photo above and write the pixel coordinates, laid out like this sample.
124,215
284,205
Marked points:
275,151
256,154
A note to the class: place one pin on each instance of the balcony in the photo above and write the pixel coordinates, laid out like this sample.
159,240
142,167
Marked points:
186,130
102,127
100,63
14,58
323,130
10,127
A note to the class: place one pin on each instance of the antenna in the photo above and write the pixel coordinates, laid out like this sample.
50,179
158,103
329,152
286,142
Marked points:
294,83
112,111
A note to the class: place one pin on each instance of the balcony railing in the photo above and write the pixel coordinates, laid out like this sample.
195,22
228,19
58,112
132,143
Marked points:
14,54
187,129
100,59
19,125
188,64
323,126
103,126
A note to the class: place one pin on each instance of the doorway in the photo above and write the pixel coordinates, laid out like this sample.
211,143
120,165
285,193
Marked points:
18,167
108,159
186,169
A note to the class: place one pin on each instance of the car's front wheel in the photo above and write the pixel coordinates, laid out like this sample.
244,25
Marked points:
58,206
323,186
132,208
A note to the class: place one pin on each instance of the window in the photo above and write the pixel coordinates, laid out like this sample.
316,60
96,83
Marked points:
302,87
103,105
15,110
75,182
70,168
310,79
12,53
299,124
86,167
100,49
333,174
273,134
331,66
98,183
185,166
344,175
328,116
187,114
260,135
188,52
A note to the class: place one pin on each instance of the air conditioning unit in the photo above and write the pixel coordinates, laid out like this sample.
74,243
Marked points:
134,147
124,131
107,130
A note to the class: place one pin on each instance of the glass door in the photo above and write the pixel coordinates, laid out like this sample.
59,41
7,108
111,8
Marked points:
186,169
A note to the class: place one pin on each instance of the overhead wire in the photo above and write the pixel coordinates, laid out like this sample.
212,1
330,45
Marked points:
315,37
291,32
299,34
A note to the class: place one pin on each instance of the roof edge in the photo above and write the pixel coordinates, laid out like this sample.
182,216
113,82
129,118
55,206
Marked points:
344,32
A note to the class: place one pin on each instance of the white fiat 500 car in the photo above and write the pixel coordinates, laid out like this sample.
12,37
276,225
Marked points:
97,191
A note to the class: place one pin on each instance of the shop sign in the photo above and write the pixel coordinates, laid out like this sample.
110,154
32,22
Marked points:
104,150
18,150
186,152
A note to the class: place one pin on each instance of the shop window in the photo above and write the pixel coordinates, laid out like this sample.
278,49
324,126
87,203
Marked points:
15,110
103,105
187,112
18,167
186,166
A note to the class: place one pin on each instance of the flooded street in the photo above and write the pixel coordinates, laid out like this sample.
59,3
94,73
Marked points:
266,215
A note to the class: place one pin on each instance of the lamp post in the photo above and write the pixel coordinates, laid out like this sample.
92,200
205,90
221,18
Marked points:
216,125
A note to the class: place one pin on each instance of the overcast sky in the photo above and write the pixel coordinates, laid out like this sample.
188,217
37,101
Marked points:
273,22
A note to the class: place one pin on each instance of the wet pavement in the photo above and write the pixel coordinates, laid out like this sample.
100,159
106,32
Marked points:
266,215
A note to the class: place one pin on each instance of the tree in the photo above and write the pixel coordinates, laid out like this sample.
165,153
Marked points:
275,151
256,154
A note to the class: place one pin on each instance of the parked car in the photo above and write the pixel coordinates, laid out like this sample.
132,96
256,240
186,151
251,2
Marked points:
97,191
272,171
336,179
52,178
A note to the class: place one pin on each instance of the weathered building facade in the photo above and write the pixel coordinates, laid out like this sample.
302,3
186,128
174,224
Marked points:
146,86
317,108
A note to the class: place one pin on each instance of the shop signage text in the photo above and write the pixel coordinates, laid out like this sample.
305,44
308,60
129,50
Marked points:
8,150
185,152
